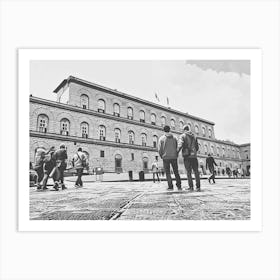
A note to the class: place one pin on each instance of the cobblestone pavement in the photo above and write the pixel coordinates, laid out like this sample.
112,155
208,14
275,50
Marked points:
226,200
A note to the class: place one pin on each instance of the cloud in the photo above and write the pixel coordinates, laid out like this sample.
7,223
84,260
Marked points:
235,66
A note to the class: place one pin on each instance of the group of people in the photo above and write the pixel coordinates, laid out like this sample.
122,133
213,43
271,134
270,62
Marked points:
52,164
169,148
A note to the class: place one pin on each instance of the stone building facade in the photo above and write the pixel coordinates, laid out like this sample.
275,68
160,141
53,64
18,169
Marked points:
120,132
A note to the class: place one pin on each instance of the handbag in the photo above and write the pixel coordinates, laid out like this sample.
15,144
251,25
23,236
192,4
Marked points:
84,163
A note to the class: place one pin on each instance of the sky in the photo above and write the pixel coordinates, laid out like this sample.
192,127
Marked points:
218,91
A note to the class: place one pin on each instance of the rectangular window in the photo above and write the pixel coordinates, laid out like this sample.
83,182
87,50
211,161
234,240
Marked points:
84,106
102,153
132,156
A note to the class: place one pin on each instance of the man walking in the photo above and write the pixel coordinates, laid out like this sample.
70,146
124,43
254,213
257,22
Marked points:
210,162
189,146
60,157
167,149
79,163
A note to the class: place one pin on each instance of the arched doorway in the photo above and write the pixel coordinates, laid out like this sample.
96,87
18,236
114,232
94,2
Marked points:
118,163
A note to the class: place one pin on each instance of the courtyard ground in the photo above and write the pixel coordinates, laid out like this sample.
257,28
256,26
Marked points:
228,199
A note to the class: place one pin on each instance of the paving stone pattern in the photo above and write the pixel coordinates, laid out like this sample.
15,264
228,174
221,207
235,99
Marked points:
226,200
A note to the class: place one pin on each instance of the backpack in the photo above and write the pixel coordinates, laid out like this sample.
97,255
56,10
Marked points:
39,157
190,145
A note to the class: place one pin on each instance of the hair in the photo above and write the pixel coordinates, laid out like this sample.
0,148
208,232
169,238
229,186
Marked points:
209,155
166,128
62,146
156,157
187,128
80,149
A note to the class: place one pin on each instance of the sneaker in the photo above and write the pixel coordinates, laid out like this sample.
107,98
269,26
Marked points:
55,186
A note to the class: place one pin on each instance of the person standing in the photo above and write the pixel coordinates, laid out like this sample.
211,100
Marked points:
79,163
48,166
167,148
155,169
189,146
210,162
60,157
40,153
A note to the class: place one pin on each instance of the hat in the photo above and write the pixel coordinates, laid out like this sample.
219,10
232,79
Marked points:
62,146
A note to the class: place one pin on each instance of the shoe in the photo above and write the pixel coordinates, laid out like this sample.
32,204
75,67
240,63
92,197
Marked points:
45,188
209,181
190,189
198,189
39,187
179,188
63,187
170,189
55,186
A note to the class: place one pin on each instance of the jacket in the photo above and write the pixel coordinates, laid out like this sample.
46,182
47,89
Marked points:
188,144
167,146
210,162
78,159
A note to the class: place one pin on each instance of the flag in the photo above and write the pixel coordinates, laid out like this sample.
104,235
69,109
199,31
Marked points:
156,96
167,101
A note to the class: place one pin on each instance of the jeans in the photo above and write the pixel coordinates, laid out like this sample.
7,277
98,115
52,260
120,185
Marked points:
174,164
40,173
192,164
154,176
212,170
79,179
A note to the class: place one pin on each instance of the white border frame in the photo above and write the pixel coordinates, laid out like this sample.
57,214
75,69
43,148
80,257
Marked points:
254,55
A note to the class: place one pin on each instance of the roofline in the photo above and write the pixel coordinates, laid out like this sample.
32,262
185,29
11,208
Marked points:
128,96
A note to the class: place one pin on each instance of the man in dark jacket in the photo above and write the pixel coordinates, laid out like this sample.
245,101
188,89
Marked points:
167,148
189,146
210,162
60,157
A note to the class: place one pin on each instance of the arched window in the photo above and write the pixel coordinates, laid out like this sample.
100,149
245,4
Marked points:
116,109
153,119
145,163
84,129
117,135
199,148
190,126
181,125
131,137
102,132
43,122
155,141
205,149
196,129
212,150
218,151
101,106
163,120
172,123
203,131
118,163
64,126
130,113
210,132
229,154
224,152
233,153
142,116
84,101
144,139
